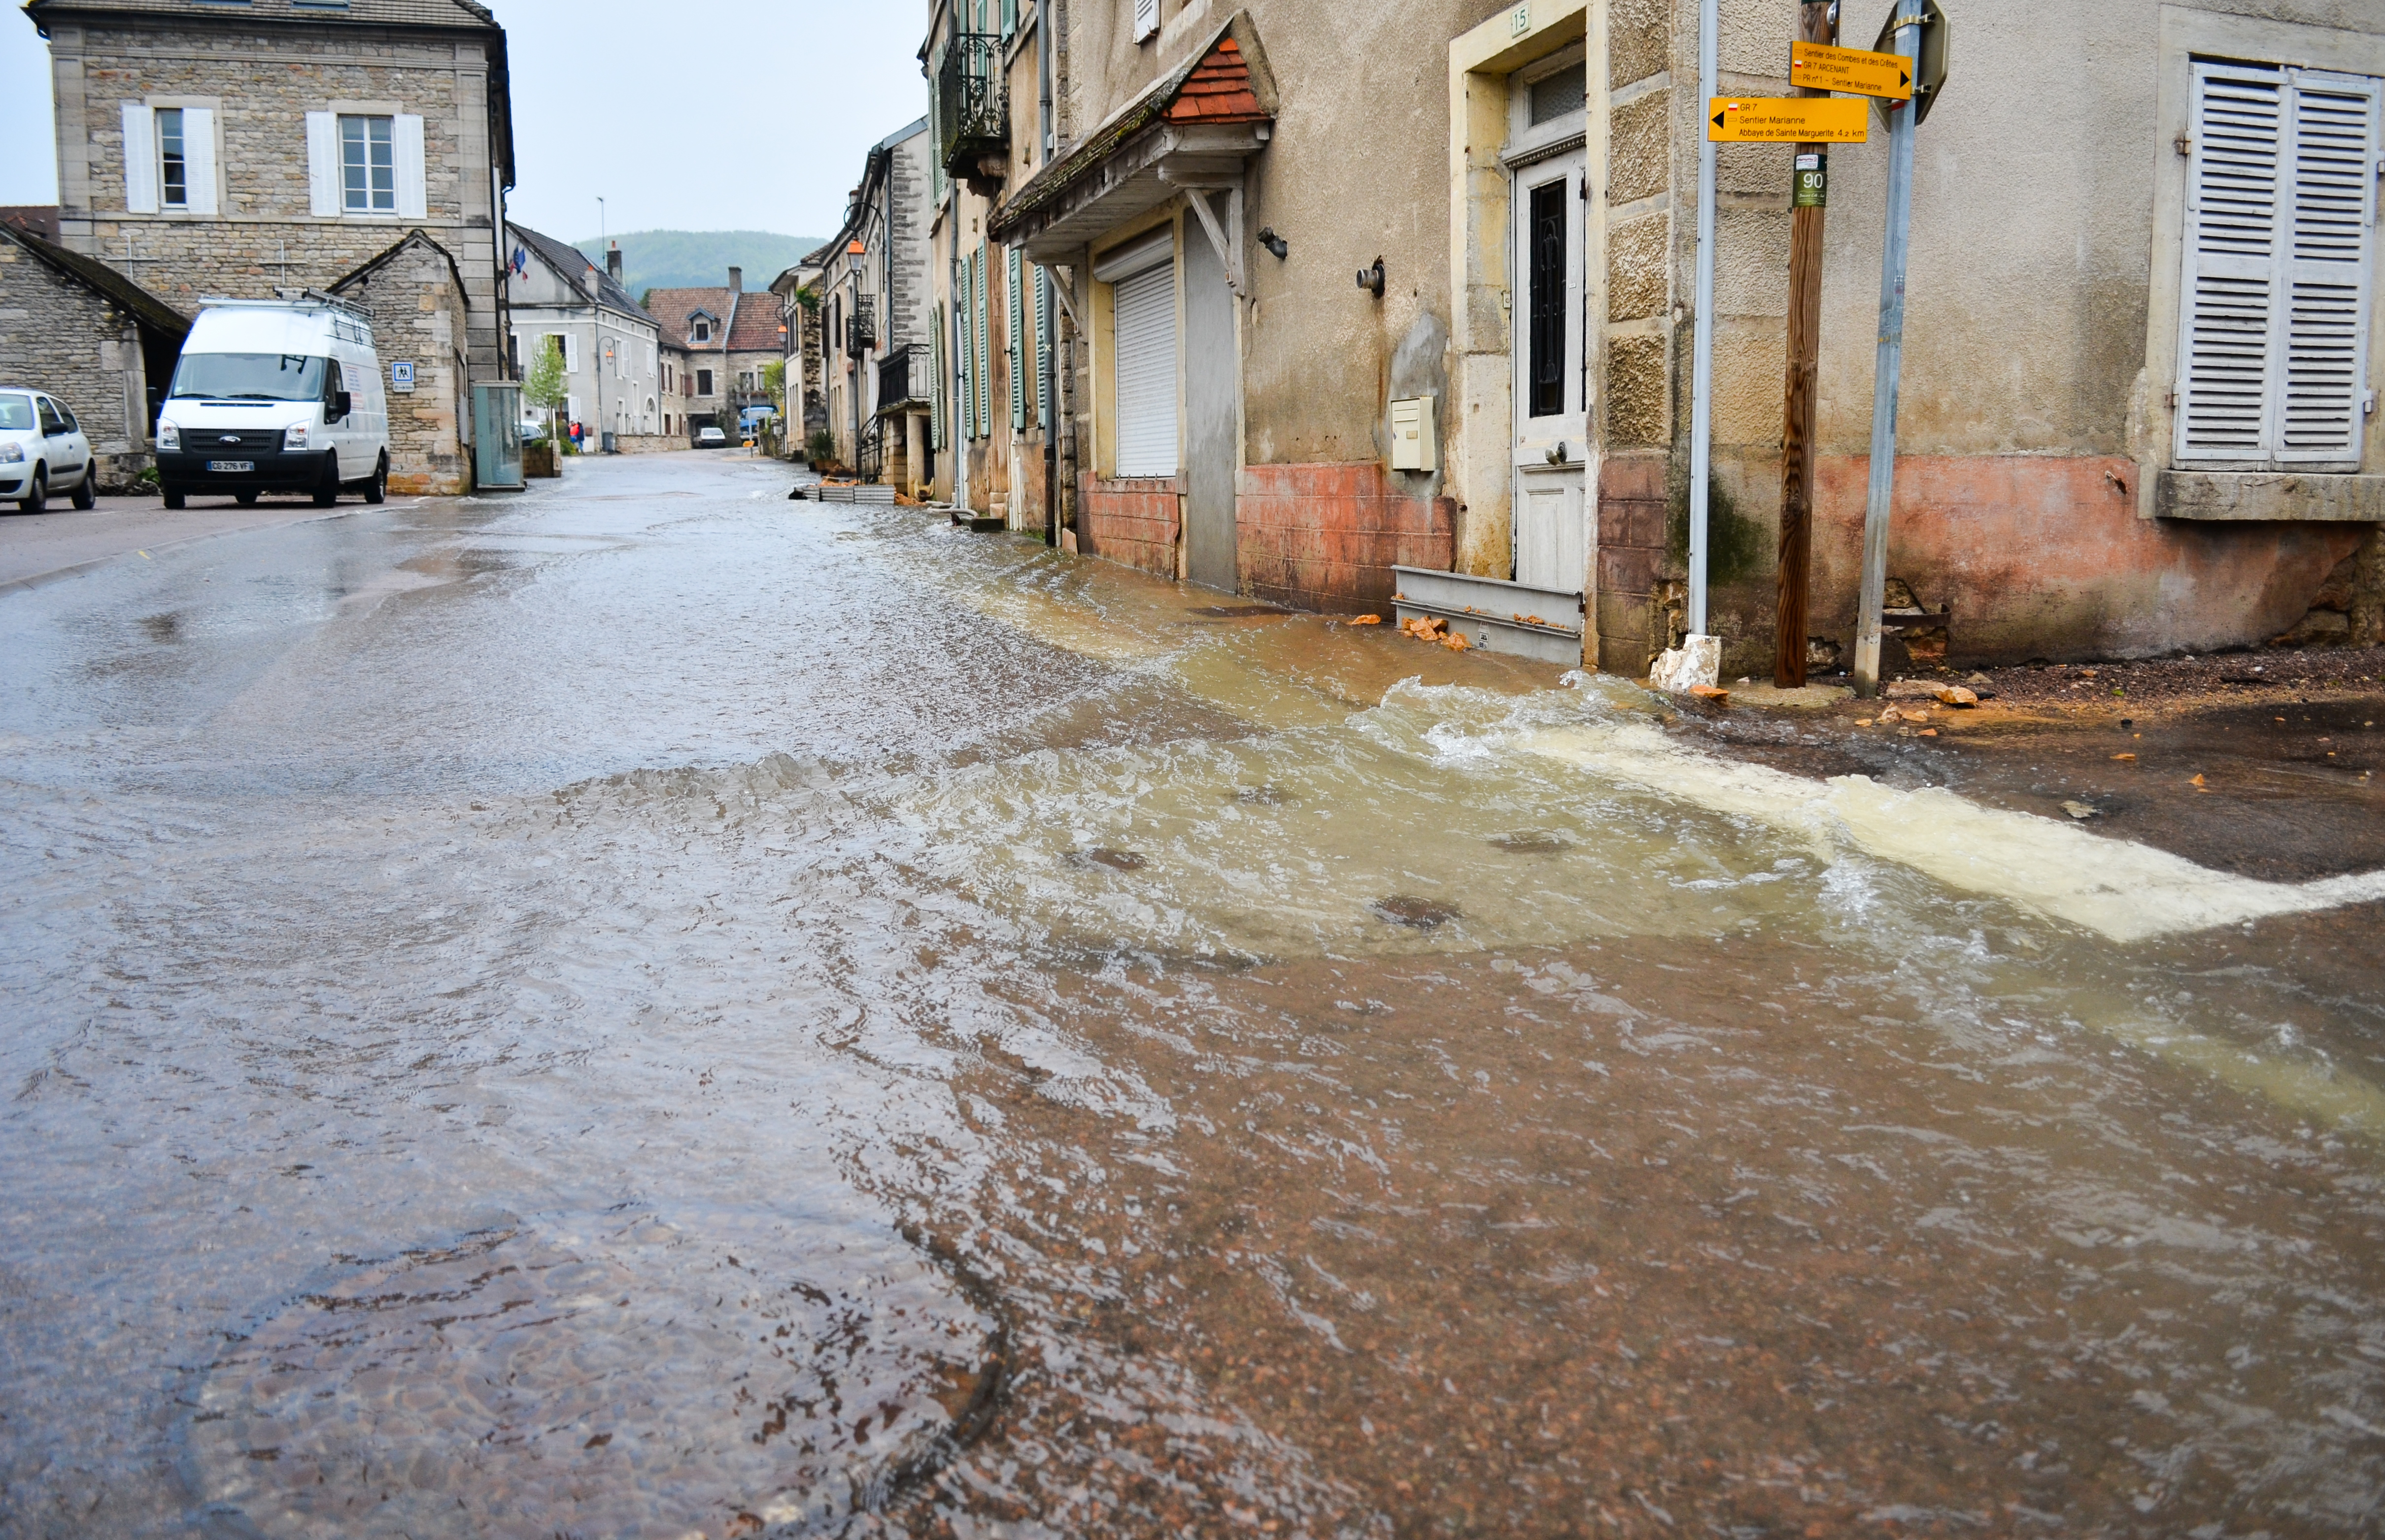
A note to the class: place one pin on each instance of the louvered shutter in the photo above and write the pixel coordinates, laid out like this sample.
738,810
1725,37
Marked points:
1043,348
984,357
1145,306
140,158
1015,311
1146,18
2280,237
936,393
967,406
199,160
2331,250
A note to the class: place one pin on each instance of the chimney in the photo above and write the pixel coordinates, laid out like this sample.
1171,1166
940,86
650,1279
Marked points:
736,281
613,261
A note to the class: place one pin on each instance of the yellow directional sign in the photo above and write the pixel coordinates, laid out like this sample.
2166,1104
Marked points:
1819,67
1786,119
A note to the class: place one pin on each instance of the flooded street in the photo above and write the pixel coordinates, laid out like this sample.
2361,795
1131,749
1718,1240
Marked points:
651,1010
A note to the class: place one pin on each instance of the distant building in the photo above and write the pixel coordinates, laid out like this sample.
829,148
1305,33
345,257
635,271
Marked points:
93,338
611,347
800,290
715,343
878,317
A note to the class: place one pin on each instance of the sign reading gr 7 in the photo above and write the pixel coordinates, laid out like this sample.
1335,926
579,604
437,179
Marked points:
1819,67
1786,119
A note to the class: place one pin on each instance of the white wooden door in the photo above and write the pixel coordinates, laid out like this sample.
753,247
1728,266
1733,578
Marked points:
1551,441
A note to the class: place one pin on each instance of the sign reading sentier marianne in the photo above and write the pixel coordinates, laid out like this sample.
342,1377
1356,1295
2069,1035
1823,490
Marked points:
1819,67
1786,119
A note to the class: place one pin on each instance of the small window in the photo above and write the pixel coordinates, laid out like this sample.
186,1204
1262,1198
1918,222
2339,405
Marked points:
1561,95
368,165
704,332
173,166
703,382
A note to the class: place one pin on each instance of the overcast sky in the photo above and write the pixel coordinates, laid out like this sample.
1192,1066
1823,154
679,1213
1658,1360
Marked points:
694,115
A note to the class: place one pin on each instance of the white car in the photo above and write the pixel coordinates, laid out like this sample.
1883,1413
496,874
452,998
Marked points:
43,449
711,438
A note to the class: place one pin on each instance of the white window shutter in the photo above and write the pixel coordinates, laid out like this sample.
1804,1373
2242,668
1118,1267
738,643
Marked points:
323,164
1146,308
1146,22
570,353
140,159
2227,303
413,185
2330,251
199,159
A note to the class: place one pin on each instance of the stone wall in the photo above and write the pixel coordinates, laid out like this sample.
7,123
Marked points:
650,443
418,314
1326,537
263,80
57,336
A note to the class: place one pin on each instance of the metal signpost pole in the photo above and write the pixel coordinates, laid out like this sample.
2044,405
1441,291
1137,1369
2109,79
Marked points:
1890,361
1702,346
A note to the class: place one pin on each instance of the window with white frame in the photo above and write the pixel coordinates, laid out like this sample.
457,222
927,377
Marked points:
367,165
2281,259
170,159
173,166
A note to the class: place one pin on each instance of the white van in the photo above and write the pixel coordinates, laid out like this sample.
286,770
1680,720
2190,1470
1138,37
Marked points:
276,396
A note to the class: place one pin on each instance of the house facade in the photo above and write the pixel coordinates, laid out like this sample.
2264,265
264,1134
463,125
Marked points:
997,112
800,291
1503,396
611,347
715,343
235,149
877,358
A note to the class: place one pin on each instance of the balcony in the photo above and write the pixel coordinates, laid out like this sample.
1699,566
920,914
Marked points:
861,327
973,112
895,379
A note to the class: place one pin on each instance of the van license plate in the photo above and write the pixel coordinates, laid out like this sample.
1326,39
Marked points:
232,464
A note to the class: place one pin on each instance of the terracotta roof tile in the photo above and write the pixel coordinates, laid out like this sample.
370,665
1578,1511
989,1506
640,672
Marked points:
674,310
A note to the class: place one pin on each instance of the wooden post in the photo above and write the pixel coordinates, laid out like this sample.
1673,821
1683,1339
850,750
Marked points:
1804,356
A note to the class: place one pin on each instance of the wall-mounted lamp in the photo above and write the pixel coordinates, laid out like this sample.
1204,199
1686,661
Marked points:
1274,242
1371,279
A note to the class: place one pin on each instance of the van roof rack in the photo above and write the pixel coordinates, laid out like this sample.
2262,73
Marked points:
286,299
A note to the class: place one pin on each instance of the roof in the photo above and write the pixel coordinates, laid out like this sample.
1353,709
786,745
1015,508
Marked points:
1227,81
902,136
101,279
587,279
674,310
41,218
364,274
464,14
760,325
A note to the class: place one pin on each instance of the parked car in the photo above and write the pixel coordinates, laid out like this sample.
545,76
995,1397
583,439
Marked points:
711,438
275,395
41,449
533,429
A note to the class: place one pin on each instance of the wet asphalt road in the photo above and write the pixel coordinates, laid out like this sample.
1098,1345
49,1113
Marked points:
646,1009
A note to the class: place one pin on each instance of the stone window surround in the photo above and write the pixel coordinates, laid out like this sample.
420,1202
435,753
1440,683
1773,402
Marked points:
203,103
339,109
2163,491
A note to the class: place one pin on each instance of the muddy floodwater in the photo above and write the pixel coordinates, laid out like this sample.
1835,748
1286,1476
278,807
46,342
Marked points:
648,1010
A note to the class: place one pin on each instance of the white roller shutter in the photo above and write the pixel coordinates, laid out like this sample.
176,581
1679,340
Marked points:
413,184
199,159
1145,305
2281,240
140,159
323,164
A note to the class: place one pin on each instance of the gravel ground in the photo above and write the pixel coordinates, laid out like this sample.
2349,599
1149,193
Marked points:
2184,683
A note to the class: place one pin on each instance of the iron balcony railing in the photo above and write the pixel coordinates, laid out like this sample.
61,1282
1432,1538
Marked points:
973,103
861,327
895,377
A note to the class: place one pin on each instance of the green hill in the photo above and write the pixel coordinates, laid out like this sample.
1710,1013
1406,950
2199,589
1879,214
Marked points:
701,259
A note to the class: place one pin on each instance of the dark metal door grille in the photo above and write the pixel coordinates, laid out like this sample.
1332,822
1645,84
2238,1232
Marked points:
1548,298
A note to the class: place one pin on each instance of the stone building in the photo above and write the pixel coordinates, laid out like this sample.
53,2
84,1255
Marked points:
997,110
414,293
1503,396
800,291
715,343
237,148
92,337
612,361
875,320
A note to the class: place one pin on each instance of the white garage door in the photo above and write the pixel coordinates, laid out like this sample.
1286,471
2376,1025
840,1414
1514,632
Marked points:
1146,372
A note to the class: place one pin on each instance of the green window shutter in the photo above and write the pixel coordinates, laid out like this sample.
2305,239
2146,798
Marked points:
984,352
968,360
936,401
1009,17
1043,348
1015,311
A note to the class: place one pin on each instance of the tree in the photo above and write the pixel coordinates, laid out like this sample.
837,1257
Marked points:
543,388
774,384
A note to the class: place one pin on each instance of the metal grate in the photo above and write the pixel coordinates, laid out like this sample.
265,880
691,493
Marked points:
972,103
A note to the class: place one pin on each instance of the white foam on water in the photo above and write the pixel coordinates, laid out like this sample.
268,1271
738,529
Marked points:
2124,891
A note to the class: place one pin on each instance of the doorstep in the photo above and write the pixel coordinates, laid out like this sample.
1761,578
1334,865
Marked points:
1494,615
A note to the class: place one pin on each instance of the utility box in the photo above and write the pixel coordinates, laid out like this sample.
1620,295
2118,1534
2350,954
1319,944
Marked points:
496,437
1415,438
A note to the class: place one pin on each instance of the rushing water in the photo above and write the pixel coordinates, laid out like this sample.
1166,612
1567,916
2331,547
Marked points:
650,1010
